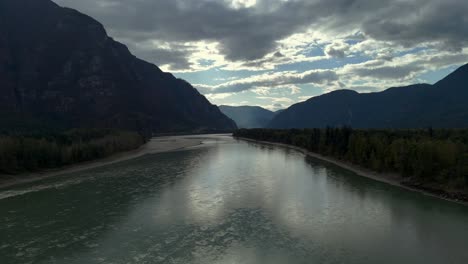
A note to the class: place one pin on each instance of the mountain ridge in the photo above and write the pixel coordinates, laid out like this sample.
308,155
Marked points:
440,105
58,67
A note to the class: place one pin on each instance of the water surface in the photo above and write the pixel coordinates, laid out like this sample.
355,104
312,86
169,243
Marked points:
226,201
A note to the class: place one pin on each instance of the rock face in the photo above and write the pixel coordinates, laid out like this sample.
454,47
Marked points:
442,105
248,116
59,67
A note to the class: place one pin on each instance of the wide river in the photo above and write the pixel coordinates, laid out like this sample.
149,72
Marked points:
226,201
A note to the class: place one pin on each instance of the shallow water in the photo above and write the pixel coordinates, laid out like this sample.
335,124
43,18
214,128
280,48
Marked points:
226,201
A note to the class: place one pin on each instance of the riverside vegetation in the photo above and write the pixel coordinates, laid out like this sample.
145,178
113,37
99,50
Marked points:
27,152
433,160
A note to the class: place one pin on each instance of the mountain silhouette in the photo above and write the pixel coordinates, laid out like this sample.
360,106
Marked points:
442,105
59,68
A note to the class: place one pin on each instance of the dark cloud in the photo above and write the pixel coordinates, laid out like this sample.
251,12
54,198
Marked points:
176,56
177,60
441,21
251,33
338,50
243,34
278,54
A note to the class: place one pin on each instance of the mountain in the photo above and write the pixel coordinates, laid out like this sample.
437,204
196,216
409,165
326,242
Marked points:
59,68
442,105
248,116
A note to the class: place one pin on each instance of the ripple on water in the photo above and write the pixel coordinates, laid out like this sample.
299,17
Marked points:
226,203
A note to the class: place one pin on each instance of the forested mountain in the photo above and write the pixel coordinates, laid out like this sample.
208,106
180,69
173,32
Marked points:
442,105
59,68
248,116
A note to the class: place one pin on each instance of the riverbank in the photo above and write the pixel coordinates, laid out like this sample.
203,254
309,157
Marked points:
388,178
155,145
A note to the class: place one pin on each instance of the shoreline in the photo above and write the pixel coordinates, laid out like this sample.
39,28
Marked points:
388,178
154,146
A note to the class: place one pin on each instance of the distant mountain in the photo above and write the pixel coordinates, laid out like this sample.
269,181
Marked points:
442,105
248,116
59,68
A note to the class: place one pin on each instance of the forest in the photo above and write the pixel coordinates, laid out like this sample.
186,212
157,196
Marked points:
28,152
424,157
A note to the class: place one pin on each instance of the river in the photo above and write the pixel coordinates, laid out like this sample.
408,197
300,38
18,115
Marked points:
226,201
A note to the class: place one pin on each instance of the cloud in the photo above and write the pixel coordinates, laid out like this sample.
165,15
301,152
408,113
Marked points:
337,49
242,33
218,96
176,57
283,90
247,30
441,21
288,47
272,79
388,72
369,76
403,68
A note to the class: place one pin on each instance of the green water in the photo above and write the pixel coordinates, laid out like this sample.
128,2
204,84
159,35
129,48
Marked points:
226,201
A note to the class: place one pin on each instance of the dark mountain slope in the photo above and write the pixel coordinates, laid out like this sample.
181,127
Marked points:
58,67
248,116
443,105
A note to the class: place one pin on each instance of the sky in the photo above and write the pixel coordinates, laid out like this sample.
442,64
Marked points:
274,53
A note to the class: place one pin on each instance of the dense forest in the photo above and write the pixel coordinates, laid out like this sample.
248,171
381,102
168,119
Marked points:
26,152
428,158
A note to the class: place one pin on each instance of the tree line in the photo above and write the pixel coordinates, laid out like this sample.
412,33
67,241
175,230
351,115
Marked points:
428,156
27,152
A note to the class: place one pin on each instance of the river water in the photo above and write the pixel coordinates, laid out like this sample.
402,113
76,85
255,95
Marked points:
226,201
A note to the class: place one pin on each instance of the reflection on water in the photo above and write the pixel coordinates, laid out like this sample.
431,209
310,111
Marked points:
226,202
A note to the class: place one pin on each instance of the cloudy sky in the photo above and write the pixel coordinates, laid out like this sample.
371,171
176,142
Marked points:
274,53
